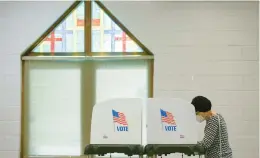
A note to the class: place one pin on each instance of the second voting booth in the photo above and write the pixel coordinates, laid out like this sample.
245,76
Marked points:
151,127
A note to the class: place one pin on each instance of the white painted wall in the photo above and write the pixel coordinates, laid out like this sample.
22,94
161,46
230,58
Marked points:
21,23
201,48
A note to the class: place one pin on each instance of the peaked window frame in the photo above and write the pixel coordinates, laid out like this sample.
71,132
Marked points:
28,54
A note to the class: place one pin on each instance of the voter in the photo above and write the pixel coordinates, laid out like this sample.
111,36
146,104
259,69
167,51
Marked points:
215,141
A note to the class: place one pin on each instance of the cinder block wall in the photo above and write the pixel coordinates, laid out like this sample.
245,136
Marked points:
201,48
204,48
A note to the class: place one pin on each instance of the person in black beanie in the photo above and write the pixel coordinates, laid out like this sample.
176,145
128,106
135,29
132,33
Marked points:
215,141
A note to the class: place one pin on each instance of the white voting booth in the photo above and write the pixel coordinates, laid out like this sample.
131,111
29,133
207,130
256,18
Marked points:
172,119
171,127
116,120
133,126
116,127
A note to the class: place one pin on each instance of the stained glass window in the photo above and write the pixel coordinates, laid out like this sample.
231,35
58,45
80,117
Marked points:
68,36
107,36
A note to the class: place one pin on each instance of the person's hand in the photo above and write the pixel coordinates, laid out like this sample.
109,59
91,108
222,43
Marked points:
199,149
192,148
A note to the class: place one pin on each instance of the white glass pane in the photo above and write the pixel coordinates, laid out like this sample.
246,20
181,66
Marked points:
54,108
121,79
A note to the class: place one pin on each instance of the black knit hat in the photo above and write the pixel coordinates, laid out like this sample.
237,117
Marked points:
201,104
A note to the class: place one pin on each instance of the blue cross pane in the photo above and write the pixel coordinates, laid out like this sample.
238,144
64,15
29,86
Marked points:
107,36
68,36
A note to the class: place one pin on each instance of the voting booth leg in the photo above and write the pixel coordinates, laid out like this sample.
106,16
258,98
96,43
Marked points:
153,156
90,156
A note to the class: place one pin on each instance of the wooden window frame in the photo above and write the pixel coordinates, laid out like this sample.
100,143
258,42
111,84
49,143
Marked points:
28,54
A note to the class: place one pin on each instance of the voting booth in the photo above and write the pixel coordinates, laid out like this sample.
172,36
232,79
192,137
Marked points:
132,126
171,127
116,128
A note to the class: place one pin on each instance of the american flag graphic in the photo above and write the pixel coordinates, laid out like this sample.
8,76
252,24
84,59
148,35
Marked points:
167,117
119,117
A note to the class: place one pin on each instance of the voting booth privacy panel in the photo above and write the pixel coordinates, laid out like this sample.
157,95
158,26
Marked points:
150,127
117,123
173,119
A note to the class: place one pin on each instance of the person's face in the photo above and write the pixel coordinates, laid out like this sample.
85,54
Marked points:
200,116
203,114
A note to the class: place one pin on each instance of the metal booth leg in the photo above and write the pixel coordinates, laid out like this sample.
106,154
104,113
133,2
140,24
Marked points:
90,156
154,156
